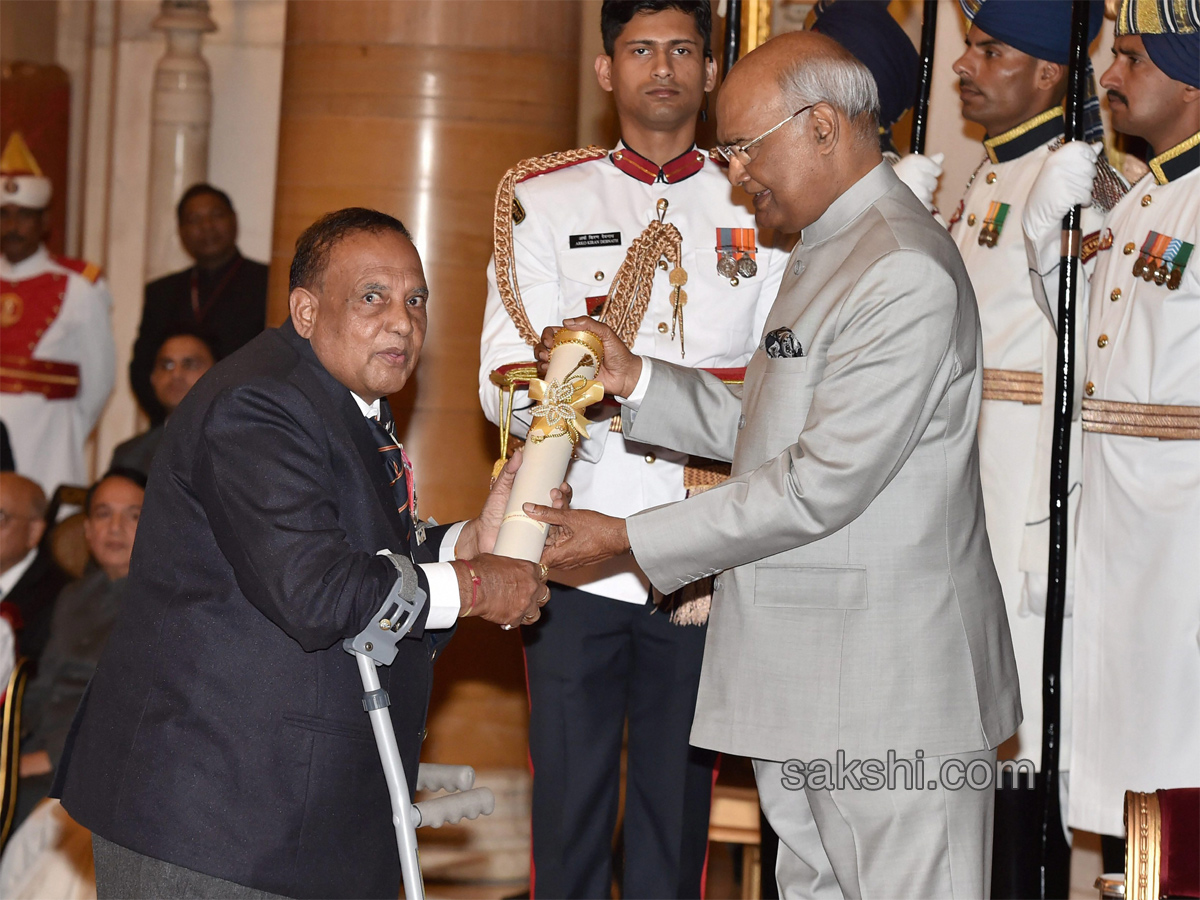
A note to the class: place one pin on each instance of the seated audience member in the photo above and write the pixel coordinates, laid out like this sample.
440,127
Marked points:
183,357
223,297
83,618
30,579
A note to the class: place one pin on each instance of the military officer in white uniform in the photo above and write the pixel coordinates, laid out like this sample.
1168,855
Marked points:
608,651
1012,80
1137,605
57,364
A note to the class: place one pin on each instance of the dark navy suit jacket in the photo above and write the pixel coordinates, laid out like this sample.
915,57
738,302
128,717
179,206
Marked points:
223,730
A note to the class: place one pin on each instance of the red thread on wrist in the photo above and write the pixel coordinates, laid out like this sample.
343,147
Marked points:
475,583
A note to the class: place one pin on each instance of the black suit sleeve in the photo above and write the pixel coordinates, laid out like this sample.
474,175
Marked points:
150,337
264,478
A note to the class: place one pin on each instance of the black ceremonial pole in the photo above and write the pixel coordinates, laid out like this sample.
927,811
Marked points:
921,103
1055,854
733,35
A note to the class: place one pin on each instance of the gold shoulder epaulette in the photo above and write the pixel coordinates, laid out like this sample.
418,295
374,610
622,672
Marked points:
90,271
508,212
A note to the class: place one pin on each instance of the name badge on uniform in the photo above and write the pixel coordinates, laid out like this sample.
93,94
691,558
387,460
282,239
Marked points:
736,251
1162,260
599,239
993,224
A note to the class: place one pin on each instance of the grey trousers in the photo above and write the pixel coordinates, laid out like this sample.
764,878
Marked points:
849,841
123,874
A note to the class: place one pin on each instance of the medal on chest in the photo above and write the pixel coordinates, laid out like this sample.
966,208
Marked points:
1162,260
736,252
993,224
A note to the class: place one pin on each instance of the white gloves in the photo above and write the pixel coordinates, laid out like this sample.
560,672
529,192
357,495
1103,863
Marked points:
1065,180
921,174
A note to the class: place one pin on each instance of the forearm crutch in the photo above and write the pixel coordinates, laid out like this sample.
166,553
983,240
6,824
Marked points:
376,646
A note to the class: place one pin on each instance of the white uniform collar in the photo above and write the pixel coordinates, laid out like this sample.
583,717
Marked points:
35,264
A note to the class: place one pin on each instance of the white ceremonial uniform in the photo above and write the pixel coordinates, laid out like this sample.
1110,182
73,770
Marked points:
579,222
1014,435
48,434
1137,607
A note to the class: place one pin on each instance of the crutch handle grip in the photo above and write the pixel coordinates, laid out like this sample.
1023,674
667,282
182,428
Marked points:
436,777
454,808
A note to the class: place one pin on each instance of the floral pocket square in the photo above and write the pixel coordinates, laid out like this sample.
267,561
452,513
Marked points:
782,344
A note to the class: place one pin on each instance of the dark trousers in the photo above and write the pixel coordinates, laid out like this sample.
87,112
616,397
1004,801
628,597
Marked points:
123,874
593,662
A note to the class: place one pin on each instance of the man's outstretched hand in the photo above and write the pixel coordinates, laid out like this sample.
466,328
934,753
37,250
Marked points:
621,369
479,535
510,592
579,537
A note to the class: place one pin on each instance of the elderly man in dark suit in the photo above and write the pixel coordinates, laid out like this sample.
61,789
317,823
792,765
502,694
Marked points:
222,749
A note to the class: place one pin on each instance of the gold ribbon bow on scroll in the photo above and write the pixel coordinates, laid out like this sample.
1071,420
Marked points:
558,413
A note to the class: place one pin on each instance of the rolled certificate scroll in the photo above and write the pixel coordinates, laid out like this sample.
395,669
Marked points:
558,424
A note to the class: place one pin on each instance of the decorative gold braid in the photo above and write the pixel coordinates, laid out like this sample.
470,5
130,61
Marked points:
506,271
629,294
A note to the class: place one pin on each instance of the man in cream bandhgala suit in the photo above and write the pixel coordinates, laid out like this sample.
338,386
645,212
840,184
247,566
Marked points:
857,607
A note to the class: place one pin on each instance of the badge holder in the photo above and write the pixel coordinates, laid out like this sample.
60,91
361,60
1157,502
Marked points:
376,646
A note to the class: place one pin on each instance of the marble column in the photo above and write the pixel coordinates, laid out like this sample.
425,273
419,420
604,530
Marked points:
180,118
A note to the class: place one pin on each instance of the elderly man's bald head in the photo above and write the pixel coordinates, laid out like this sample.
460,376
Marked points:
831,141
807,67
22,505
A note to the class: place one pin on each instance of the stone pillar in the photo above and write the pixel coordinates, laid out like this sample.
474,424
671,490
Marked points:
181,113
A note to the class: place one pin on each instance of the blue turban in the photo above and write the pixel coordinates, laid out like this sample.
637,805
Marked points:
1040,28
874,38
1169,31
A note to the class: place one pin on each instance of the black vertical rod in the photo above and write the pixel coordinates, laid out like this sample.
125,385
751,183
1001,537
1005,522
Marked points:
1054,873
925,81
733,35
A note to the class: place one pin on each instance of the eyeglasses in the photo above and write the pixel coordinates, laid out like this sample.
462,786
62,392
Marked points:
738,151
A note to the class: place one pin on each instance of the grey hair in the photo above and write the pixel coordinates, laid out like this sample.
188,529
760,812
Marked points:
839,80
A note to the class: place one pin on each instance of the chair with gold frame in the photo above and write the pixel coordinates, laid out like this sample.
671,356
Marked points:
1162,849
10,747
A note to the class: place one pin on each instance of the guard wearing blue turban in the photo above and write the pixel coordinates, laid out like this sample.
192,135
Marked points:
1012,78
1170,32
1041,29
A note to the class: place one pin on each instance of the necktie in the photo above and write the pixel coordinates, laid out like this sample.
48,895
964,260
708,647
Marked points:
396,466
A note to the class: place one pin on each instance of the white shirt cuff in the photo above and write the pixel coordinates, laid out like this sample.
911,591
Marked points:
634,400
449,539
444,602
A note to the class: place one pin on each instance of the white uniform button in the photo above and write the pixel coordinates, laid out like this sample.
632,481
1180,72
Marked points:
797,267
717,583
662,328
650,457
741,422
